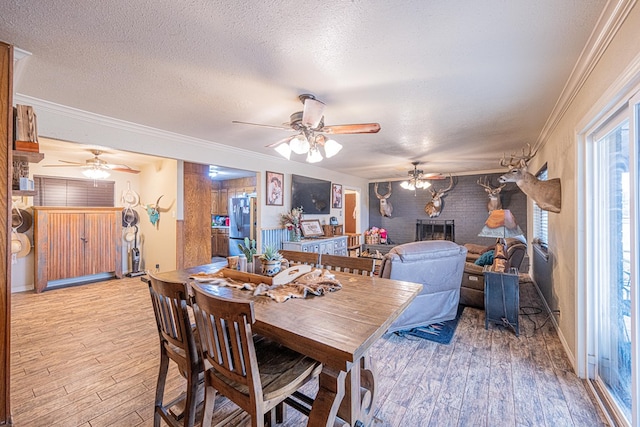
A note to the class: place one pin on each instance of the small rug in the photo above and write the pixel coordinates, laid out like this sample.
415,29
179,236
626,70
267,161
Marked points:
441,332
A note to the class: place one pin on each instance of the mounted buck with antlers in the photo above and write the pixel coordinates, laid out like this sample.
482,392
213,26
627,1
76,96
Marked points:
547,194
493,193
385,206
434,207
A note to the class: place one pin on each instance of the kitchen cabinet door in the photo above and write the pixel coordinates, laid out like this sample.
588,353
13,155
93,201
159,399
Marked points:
215,207
223,202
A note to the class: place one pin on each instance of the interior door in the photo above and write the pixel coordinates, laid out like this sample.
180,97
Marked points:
350,213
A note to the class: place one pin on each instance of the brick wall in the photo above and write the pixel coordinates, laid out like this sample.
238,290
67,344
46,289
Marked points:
465,203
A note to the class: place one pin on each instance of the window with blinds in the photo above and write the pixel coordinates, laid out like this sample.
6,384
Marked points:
58,191
541,218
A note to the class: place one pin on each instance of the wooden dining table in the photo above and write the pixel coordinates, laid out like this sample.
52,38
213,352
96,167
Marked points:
337,329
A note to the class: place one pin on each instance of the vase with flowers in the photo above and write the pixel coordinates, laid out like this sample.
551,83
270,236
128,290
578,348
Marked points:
291,221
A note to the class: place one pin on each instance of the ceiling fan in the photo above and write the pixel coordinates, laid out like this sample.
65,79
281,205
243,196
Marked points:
310,131
95,168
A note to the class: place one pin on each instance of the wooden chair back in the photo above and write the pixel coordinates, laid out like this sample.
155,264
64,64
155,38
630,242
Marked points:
178,343
297,257
353,243
347,264
224,327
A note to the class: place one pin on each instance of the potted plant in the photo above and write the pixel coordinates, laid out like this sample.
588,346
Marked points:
249,250
270,260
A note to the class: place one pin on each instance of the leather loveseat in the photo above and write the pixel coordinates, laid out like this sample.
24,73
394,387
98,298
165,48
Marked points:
507,253
438,266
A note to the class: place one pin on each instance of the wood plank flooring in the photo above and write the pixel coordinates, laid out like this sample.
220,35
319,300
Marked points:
88,356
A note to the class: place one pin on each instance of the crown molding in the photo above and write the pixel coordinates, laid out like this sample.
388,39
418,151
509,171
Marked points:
43,106
611,19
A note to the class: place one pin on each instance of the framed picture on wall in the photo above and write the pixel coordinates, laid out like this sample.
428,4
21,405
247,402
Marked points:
275,184
336,196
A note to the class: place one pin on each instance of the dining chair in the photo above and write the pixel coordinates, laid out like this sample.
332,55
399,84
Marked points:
353,244
254,372
347,264
297,257
177,343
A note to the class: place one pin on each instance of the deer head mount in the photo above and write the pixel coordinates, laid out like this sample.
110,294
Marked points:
434,207
385,206
547,194
493,193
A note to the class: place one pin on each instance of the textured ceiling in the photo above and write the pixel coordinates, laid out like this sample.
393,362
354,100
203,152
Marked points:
453,84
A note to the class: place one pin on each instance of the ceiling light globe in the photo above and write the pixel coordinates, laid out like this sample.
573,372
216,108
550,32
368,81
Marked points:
284,150
405,185
332,147
314,156
299,145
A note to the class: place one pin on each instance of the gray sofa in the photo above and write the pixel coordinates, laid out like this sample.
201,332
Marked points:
438,266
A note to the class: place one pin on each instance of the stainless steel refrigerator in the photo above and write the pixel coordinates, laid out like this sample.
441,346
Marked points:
242,222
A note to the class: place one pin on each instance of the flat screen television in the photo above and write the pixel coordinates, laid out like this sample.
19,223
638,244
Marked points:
314,195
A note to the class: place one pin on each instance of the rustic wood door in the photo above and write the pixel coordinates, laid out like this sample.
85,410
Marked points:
197,215
99,235
65,245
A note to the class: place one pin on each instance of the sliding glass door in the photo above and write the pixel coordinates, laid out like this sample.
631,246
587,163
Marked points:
612,256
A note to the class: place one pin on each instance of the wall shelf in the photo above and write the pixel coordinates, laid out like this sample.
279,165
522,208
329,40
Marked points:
28,156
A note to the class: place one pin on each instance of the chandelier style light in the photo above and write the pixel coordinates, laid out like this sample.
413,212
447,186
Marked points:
416,180
306,142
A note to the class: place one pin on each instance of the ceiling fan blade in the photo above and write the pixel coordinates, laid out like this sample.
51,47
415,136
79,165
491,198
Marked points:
312,112
352,128
72,163
127,169
261,125
78,165
284,140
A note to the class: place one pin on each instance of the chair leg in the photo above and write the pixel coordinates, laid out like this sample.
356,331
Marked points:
162,378
209,404
192,399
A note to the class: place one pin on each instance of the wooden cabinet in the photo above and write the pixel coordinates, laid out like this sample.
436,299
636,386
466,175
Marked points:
220,242
215,207
223,202
332,245
76,242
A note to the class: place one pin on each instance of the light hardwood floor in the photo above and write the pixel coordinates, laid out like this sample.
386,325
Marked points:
88,356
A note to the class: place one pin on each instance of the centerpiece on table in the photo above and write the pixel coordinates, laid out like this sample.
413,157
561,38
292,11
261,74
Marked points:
271,260
291,221
249,250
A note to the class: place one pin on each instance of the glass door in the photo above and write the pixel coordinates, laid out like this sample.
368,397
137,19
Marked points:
613,287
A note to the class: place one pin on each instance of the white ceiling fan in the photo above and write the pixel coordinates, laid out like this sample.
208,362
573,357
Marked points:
95,168
310,131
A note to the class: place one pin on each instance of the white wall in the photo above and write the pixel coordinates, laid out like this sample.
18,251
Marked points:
560,152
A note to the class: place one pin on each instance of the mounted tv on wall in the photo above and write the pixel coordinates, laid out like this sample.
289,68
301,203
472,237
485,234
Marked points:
314,195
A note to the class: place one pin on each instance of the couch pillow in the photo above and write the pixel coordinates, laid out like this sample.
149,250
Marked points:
485,259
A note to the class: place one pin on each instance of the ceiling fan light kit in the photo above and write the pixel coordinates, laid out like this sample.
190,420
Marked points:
309,124
95,168
416,180
96,173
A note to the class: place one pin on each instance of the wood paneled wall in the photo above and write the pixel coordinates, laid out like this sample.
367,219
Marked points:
6,145
196,227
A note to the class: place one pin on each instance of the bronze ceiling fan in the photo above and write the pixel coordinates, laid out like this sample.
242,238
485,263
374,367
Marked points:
310,131
95,166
